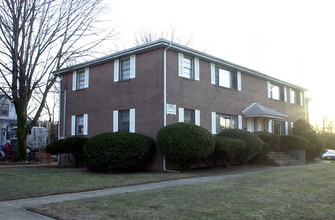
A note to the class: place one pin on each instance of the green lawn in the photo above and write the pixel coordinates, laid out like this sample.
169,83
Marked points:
297,192
25,182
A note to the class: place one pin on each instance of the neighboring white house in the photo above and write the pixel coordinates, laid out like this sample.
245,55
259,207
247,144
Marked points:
7,118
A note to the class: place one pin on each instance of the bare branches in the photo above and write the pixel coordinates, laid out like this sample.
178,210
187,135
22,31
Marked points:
146,36
38,37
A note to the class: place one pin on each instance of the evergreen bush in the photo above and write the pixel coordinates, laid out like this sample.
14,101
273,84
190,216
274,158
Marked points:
226,150
120,151
185,143
271,143
254,144
294,142
72,145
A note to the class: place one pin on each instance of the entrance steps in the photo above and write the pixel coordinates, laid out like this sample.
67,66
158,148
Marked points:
280,159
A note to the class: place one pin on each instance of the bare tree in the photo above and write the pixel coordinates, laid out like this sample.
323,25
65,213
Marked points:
37,38
147,36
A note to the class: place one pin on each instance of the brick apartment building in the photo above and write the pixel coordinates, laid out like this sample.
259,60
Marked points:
147,87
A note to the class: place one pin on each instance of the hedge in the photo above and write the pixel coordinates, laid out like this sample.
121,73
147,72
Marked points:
226,149
254,144
271,142
185,143
120,151
72,145
294,142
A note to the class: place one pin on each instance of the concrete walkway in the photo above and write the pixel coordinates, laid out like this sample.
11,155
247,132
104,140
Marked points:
15,209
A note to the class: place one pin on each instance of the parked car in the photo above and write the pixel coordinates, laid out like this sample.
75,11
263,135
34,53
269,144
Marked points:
330,154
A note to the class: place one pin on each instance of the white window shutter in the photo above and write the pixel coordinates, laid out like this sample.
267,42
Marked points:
196,69
286,128
73,125
239,82
269,89
132,67
291,96
87,76
115,121
116,70
301,98
132,120
213,123
181,114
213,73
285,94
85,124
180,64
74,81
197,117
240,122
270,126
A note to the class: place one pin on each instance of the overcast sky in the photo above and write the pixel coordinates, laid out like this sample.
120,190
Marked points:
290,40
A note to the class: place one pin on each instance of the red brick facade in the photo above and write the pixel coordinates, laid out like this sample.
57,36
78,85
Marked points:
145,93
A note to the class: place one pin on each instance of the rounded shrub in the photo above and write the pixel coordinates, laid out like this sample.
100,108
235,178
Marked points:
271,142
294,142
185,143
317,146
120,151
72,145
254,144
226,149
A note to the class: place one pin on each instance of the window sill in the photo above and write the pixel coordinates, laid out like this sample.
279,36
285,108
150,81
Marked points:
193,80
226,88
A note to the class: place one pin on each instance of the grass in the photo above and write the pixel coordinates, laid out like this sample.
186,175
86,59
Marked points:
300,192
26,182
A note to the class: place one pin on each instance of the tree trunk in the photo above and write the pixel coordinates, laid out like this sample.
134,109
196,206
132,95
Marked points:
21,144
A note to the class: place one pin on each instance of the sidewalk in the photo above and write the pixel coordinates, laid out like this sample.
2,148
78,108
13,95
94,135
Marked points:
15,209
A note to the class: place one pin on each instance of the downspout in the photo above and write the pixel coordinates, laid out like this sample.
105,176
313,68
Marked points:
64,115
60,98
164,161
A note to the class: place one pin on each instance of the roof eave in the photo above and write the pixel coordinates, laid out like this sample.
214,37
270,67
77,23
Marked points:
177,47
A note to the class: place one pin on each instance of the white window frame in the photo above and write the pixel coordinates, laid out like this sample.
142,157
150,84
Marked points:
292,96
75,79
74,125
132,121
195,67
118,66
238,122
181,115
224,80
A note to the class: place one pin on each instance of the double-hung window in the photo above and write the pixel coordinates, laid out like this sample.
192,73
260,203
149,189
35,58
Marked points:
79,124
4,110
124,120
124,69
189,115
296,97
225,122
188,67
80,79
277,92
225,77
